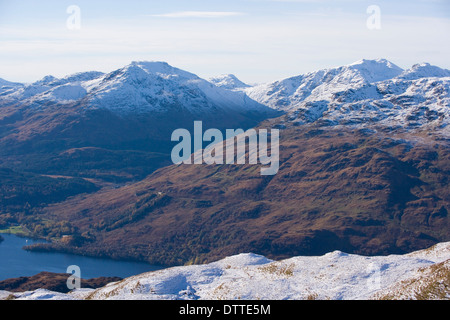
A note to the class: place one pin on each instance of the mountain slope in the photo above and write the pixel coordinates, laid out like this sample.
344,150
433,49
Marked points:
364,164
7,86
357,191
149,92
335,275
117,124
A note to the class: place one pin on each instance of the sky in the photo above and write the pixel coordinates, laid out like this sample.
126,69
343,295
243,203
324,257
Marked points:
256,40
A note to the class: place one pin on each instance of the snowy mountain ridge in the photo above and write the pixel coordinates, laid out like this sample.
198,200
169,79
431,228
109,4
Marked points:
322,84
364,93
423,70
7,86
139,87
335,275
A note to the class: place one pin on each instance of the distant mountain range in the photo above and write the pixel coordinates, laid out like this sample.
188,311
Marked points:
140,87
363,92
115,126
364,163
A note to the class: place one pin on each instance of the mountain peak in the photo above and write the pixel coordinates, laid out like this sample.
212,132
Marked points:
8,86
424,70
82,76
322,85
373,61
45,80
376,70
6,83
228,81
421,65
160,68
144,86
152,65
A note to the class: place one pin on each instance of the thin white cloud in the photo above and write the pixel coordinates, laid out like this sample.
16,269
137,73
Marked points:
199,14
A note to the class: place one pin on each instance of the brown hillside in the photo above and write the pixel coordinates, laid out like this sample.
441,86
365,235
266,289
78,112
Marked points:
351,190
51,281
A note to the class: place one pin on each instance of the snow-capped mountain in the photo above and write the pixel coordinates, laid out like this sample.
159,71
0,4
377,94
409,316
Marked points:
335,275
364,93
424,70
322,84
66,89
7,86
109,126
140,87
163,86
134,108
228,81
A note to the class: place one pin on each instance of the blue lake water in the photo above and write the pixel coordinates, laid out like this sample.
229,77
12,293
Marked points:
16,262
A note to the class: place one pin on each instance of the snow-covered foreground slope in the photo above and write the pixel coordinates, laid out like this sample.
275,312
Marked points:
423,274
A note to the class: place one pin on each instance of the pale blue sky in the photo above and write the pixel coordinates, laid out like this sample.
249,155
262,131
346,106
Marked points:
257,40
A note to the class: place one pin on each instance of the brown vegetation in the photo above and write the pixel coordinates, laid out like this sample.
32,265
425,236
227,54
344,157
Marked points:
51,281
337,189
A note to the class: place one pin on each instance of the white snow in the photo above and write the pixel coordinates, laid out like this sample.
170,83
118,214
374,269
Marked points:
424,70
65,93
7,87
336,275
228,81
